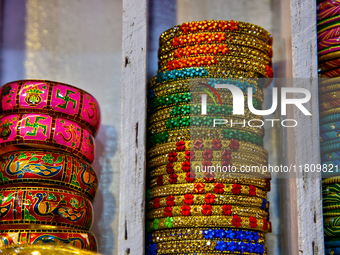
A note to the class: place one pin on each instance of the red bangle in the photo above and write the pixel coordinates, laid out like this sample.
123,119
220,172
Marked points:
331,73
53,98
44,206
329,65
47,131
327,4
80,239
48,168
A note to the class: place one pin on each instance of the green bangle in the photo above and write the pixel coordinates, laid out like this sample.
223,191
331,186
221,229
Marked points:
332,231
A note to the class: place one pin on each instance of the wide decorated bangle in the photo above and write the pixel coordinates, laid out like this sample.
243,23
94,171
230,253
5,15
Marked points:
52,98
203,188
45,206
78,238
235,221
48,167
232,27
44,249
227,234
48,132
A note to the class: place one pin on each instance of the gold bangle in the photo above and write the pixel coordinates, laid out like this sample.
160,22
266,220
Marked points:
260,224
329,112
201,233
205,210
217,50
232,27
206,144
202,188
200,199
220,61
329,88
328,81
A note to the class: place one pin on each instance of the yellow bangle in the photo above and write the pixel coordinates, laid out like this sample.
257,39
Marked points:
203,188
200,199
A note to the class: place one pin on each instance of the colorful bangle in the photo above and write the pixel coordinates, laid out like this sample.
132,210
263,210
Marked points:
330,112
205,209
331,73
329,81
330,198
326,44
203,188
331,96
329,12
52,98
331,207
327,4
333,187
227,234
332,31
334,181
47,131
327,25
45,249
331,213
45,206
260,224
332,231
200,199
48,168
230,27
331,221
326,105
80,239
329,57
330,156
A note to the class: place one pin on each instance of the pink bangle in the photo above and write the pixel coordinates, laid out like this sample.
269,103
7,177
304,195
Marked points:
328,43
330,33
330,12
328,50
53,98
47,131
327,4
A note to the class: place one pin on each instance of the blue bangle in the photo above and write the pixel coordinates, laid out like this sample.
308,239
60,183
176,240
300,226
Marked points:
330,127
329,118
332,251
334,141
330,156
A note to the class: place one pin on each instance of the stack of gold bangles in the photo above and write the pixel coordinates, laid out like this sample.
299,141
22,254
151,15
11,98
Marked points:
47,183
206,167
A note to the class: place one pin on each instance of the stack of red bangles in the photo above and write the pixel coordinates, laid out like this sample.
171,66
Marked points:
328,25
47,184
199,199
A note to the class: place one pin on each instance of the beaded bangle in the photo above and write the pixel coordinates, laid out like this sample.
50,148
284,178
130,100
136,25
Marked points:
217,49
260,224
230,27
216,199
330,12
218,61
52,98
201,188
327,4
208,246
331,221
332,73
330,112
326,105
46,131
205,209
80,239
45,206
48,168
332,231
335,155
208,144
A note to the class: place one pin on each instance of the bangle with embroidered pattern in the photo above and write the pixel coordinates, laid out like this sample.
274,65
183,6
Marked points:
326,105
259,224
206,210
207,144
217,49
202,188
209,38
200,199
232,27
206,233
210,246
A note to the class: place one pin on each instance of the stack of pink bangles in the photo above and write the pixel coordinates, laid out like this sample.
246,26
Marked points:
47,184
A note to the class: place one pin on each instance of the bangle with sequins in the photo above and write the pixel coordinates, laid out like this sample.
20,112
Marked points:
52,98
206,233
201,188
230,27
331,73
200,199
327,4
44,206
332,231
217,49
260,224
205,210
48,167
326,105
78,238
209,246
218,61
207,144
46,131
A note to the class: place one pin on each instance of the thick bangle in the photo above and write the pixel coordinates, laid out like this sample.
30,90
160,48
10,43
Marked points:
327,4
330,112
331,221
203,188
332,213
332,231
227,234
52,98
205,209
332,73
335,155
80,239
331,96
200,199
326,44
230,27
332,32
47,131
260,224
48,168
326,105
330,12
44,206
45,249
330,126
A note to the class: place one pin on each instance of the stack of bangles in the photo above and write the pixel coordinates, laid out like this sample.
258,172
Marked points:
328,26
207,169
47,183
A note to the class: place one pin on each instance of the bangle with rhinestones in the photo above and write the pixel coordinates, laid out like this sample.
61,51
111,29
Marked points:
235,221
